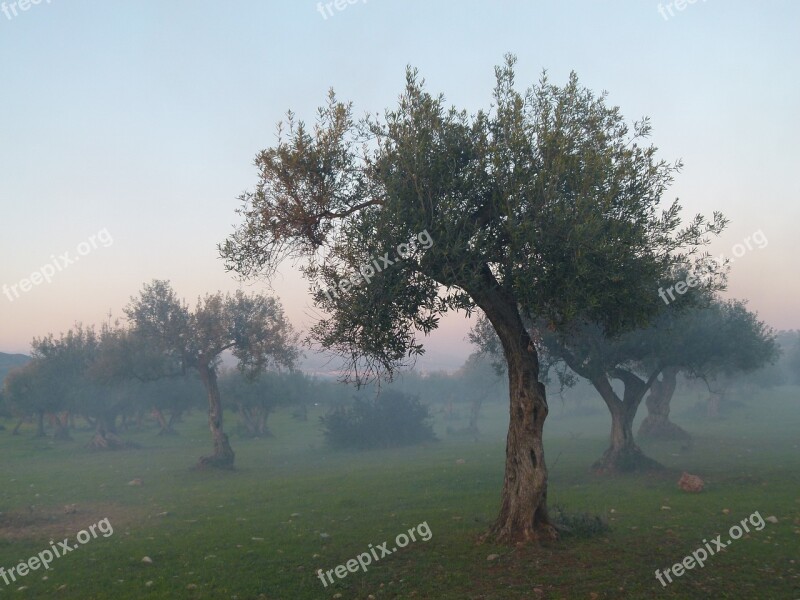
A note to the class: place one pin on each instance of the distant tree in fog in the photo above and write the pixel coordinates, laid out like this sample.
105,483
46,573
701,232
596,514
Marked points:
794,361
718,343
169,397
478,378
256,398
252,327
545,206
63,365
32,390
709,342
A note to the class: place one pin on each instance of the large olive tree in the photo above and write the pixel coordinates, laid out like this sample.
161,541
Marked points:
547,204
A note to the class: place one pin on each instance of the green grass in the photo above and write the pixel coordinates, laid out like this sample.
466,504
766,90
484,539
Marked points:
231,534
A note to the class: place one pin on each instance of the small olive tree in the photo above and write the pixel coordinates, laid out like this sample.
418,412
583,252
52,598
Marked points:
252,327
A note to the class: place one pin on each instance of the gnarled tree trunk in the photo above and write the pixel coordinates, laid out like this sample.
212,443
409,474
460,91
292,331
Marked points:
223,456
714,401
105,435
164,425
623,454
40,424
474,413
61,424
657,425
523,512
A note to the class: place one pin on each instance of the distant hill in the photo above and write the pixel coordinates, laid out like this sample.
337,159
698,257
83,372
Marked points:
10,361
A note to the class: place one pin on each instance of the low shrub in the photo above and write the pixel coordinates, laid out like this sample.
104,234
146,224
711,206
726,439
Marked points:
391,419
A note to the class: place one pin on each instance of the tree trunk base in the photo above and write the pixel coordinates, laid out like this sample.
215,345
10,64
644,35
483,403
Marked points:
629,460
109,441
222,458
62,435
510,533
215,461
662,429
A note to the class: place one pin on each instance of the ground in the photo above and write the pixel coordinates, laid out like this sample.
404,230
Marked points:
292,507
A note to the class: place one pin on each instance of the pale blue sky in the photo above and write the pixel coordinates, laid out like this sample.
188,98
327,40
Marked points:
143,118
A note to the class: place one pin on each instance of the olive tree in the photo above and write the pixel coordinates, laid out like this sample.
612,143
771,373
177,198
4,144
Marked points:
252,327
547,204
716,342
32,390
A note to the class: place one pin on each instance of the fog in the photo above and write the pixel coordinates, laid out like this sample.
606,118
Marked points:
399,300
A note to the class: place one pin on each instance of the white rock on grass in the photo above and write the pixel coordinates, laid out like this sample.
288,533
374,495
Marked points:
772,519
147,560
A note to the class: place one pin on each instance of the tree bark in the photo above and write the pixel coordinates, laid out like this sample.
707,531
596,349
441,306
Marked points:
61,424
223,456
714,400
165,427
105,435
474,413
40,424
657,425
623,454
523,512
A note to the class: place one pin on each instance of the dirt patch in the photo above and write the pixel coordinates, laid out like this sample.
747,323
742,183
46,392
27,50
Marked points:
59,522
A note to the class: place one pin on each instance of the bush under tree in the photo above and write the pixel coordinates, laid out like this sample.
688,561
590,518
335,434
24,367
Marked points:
389,420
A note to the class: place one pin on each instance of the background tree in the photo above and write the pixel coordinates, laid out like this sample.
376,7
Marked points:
682,337
256,398
253,328
478,379
29,390
794,361
170,397
635,359
718,342
64,371
546,205
657,425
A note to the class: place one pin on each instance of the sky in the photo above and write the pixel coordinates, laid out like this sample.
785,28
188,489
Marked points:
128,130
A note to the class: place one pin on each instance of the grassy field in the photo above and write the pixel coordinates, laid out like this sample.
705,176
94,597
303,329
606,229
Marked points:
293,507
